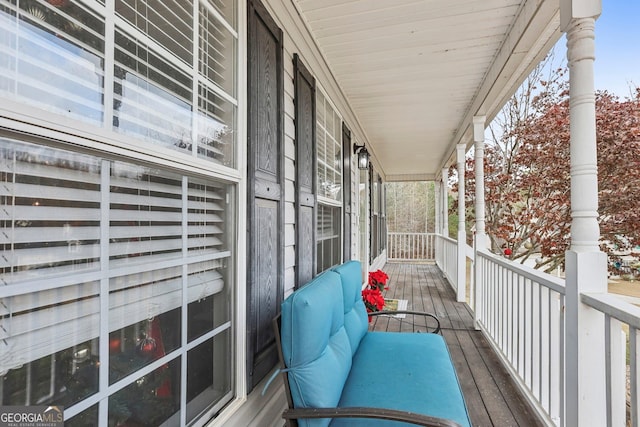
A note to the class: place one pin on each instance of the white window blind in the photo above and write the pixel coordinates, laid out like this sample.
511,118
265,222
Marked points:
52,205
328,145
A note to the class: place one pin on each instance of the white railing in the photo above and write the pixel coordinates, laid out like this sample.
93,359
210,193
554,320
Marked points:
621,343
410,246
521,311
448,259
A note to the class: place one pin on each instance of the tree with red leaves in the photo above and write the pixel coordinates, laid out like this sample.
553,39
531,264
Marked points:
527,173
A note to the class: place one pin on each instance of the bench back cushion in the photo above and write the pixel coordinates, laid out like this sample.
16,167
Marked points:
315,345
356,321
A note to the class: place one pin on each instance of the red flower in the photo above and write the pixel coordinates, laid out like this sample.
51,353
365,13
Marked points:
373,299
378,279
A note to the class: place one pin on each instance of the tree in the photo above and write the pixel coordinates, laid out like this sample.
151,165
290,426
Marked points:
411,207
527,172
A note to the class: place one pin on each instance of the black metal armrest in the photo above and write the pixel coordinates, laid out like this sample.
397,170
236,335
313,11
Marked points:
416,313
365,412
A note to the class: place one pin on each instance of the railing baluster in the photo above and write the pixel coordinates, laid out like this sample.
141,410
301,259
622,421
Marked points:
608,367
561,362
633,360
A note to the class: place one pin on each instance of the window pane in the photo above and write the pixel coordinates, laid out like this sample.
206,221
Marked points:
145,215
140,343
62,378
328,237
168,22
152,97
328,146
210,306
226,8
216,125
150,400
217,52
209,375
50,223
53,57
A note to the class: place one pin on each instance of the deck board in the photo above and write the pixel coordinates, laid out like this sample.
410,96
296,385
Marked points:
492,398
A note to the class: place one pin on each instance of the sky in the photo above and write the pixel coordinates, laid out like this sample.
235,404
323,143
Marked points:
618,46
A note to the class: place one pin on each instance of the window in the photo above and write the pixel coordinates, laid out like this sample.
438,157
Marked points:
118,275
85,232
363,212
328,146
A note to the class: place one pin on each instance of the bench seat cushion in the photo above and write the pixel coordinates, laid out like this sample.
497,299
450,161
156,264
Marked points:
404,371
315,345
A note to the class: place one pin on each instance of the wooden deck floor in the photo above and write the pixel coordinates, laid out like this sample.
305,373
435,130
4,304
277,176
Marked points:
491,396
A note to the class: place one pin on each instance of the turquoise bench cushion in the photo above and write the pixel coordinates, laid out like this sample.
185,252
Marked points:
315,345
404,371
356,321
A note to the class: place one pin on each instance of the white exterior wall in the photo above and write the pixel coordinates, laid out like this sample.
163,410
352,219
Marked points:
265,410
298,40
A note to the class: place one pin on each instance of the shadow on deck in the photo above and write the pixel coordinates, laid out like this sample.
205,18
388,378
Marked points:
492,398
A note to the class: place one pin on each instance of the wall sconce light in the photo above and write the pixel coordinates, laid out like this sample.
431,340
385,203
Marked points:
363,156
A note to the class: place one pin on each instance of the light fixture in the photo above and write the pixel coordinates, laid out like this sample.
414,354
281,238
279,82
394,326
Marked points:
363,156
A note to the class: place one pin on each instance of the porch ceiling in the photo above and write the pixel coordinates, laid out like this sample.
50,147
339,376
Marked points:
415,72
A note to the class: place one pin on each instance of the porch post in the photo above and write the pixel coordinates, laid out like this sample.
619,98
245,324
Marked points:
437,198
478,140
438,228
586,269
462,233
445,202
480,238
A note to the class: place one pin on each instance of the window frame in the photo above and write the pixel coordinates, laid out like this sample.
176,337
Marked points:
334,205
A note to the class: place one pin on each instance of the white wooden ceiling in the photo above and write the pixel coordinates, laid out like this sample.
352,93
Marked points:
415,72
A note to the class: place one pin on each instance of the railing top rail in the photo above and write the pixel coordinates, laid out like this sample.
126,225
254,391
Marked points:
448,239
554,283
396,233
613,306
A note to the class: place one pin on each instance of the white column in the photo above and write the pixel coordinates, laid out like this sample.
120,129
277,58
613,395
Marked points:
438,198
461,294
480,237
478,140
586,269
438,227
445,202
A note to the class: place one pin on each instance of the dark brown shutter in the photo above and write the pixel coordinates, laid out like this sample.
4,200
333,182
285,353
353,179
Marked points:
305,120
346,190
265,221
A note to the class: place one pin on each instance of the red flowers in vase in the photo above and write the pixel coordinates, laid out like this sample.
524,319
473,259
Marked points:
372,295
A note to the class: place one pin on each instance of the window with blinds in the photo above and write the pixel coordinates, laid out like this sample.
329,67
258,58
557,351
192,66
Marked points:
328,135
329,170
78,233
54,54
113,270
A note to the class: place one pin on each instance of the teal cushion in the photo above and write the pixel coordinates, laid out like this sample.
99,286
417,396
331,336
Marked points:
404,371
356,320
315,345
